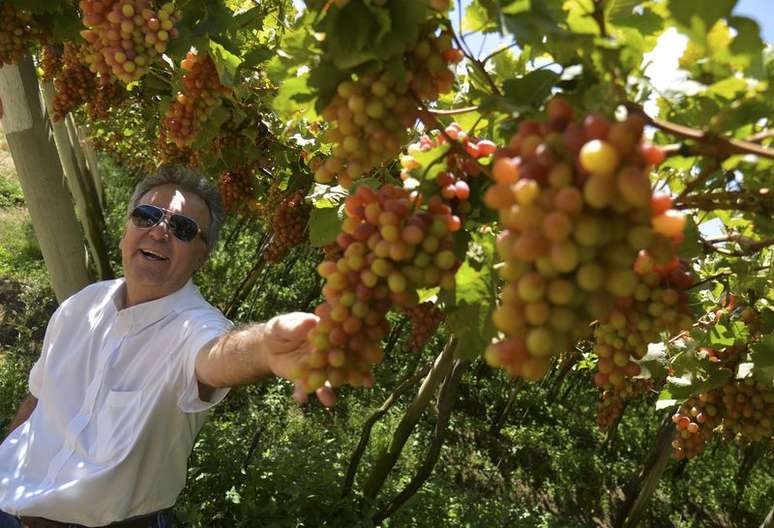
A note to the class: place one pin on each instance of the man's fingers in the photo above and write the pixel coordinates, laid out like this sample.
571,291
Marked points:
295,326
326,395
299,394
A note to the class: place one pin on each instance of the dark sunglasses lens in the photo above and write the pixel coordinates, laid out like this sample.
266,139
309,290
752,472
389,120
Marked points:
183,227
145,216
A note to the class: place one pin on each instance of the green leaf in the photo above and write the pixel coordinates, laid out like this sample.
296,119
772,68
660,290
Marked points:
324,225
67,27
481,16
294,96
691,247
470,304
531,89
217,117
256,56
226,63
729,88
686,386
631,14
700,14
351,29
326,196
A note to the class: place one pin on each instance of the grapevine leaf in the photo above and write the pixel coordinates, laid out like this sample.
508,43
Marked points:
216,118
354,26
531,89
631,14
691,246
699,14
327,196
249,19
324,225
66,27
292,92
226,63
256,56
470,304
687,385
480,15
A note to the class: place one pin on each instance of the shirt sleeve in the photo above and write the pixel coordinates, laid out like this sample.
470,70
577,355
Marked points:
38,369
201,333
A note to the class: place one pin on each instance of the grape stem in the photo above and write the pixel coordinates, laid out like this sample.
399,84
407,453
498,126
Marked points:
477,63
712,144
749,246
452,111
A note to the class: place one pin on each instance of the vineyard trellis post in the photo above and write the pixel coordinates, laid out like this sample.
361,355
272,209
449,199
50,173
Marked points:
81,189
38,166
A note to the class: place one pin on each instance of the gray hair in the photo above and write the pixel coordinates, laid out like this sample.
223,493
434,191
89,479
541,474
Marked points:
190,181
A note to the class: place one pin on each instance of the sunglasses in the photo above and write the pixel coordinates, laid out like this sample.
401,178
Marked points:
146,216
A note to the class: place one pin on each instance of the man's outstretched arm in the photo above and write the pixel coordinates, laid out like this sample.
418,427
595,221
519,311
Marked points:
253,352
25,410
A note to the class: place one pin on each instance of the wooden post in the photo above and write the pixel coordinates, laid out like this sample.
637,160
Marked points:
81,189
34,153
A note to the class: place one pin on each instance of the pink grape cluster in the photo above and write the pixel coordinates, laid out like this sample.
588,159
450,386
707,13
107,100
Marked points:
126,36
393,244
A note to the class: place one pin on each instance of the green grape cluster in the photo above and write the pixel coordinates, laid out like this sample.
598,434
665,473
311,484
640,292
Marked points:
574,201
370,114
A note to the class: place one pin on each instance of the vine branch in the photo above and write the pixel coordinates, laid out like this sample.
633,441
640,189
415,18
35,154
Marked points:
710,144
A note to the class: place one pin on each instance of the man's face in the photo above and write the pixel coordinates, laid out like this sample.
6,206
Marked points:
156,262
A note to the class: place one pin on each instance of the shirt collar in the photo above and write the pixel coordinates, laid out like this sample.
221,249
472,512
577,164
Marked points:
133,319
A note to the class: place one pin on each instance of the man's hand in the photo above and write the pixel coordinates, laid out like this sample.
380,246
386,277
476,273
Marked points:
286,345
277,347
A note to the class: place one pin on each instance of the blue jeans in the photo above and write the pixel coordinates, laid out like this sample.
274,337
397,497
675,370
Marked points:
163,520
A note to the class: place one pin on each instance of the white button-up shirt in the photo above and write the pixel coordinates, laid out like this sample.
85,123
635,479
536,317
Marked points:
118,408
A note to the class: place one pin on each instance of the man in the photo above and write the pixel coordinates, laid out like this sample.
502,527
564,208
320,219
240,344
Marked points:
128,368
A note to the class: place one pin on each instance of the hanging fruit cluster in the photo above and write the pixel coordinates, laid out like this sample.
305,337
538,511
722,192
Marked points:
288,226
741,408
126,36
658,304
393,244
237,189
369,115
18,32
614,401
191,108
75,84
575,203
425,318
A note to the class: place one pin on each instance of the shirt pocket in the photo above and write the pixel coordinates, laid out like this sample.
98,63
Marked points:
118,425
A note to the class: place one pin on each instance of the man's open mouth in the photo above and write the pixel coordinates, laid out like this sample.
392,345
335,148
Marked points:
151,255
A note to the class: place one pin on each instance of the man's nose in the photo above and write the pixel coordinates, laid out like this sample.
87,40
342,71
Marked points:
161,230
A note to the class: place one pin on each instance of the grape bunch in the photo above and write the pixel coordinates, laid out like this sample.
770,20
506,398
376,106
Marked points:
126,36
747,409
425,318
75,84
18,31
288,225
237,189
658,304
613,401
191,108
109,94
51,61
393,244
369,115
453,183
695,421
574,200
